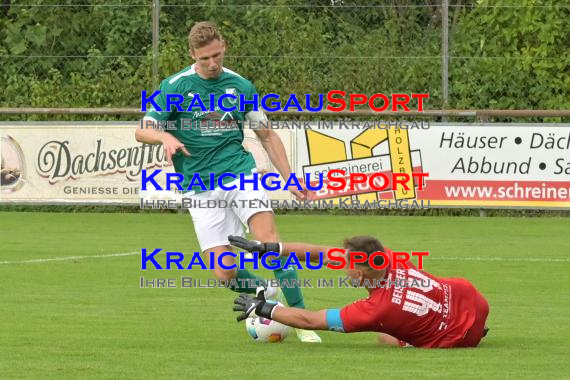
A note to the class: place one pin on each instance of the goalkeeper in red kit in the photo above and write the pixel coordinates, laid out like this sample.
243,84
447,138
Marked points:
439,313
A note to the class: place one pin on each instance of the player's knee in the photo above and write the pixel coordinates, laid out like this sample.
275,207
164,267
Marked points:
267,235
223,274
263,228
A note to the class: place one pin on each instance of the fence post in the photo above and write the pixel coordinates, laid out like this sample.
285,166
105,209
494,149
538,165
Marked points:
155,41
445,50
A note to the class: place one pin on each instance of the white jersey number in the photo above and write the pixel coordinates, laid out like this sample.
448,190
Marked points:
418,303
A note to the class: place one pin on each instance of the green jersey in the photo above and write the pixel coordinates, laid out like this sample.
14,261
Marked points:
214,148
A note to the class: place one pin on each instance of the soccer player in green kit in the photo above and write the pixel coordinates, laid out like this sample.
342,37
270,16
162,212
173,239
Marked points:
220,150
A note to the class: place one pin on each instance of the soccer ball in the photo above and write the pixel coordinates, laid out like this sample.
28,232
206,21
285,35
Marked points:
265,330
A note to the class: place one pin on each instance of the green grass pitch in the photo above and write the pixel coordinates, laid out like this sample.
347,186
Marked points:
88,317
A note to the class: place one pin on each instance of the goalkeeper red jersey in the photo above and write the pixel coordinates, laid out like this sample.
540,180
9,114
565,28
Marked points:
419,309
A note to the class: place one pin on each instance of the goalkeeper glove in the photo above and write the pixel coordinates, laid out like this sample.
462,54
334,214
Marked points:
254,245
247,304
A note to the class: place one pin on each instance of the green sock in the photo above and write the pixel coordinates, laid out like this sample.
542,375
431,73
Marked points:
293,295
245,286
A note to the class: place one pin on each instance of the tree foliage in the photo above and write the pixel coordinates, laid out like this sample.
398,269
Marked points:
100,55
521,56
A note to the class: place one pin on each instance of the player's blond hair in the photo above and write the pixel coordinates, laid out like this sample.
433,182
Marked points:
202,34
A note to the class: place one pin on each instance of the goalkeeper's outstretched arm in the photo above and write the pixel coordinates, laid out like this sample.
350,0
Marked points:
299,318
284,249
315,251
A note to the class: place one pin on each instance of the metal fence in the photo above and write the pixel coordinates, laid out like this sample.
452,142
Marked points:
101,54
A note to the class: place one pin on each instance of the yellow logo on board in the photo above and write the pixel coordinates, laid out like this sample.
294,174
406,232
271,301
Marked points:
325,149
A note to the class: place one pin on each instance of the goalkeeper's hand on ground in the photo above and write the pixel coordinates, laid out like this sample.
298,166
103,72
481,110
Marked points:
254,245
247,304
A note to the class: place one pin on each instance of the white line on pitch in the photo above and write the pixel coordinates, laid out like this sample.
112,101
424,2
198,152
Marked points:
67,258
513,259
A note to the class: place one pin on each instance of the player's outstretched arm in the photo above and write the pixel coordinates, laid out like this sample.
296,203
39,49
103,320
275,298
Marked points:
149,133
278,156
275,150
154,136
